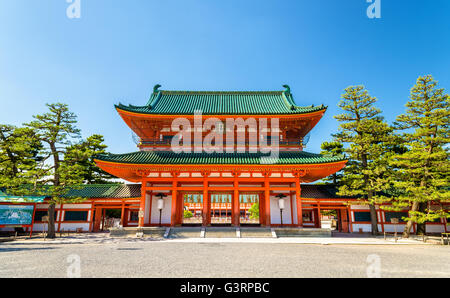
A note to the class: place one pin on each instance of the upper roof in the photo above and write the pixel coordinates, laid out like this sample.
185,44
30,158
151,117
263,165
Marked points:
164,102
169,157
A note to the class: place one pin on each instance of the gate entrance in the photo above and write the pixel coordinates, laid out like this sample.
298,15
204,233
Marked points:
221,211
249,207
192,209
107,218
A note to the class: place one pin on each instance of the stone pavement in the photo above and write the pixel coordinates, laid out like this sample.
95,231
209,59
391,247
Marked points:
105,238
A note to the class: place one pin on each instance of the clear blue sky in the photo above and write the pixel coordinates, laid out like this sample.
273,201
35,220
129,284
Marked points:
119,50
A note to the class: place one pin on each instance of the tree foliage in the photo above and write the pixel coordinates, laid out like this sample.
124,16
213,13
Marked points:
423,170
254,211
333,149
367,136
19,157
81,155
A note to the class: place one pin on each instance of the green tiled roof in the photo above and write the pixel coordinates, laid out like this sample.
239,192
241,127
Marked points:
221,103
106,191
89,191
169,157
20,199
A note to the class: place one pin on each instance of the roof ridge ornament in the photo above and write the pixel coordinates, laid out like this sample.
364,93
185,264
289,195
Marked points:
156,87
288,89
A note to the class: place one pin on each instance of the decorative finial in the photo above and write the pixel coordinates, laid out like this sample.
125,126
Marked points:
288,89
155,89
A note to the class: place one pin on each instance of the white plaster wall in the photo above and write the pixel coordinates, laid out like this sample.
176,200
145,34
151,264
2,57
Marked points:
74,226
275,217
147,209
166,212
294,206
359,207
77,206
365,228
435,228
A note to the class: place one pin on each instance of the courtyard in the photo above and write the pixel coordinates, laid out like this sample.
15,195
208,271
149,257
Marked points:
107,257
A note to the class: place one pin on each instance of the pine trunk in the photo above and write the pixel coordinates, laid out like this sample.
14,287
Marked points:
51,233
421,227
409,224
373,219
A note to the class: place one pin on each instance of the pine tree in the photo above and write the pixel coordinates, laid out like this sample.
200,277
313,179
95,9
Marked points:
367,137
19,157
332,149
82,155
56,129
423,170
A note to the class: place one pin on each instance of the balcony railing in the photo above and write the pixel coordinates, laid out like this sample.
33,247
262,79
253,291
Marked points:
167,142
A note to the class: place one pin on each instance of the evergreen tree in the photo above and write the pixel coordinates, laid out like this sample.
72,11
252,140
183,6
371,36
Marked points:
19,156
82,155
423,170
368,138
56,129
333,149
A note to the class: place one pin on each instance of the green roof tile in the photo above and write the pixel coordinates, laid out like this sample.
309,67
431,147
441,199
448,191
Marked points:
221,103
105,191
169,157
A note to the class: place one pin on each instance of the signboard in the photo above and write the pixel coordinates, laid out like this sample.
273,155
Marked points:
16,214
394,220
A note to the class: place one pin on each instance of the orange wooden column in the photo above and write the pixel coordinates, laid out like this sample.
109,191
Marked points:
122,214
262,217
267,200
206,218
142,205
344,220
299,203
173,218
97,219
236,205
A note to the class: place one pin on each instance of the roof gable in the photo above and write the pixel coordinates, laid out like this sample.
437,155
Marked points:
221,103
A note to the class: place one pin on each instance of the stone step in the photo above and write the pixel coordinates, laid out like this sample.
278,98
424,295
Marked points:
154,232
220,232
185,232
302,232
256,232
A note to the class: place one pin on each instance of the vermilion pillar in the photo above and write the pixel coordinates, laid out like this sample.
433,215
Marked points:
97,219
236,205
142,205
299,203
173,218
206,219
267,201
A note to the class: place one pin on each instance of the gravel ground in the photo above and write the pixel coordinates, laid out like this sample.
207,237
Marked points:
166,259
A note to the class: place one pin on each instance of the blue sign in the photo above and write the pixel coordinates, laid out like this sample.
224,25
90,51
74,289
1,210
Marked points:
16,214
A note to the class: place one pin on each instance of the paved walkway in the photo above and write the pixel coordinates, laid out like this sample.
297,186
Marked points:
174,258
104,238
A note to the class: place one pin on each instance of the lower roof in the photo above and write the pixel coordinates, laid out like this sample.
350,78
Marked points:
115,191
170,157
85,191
